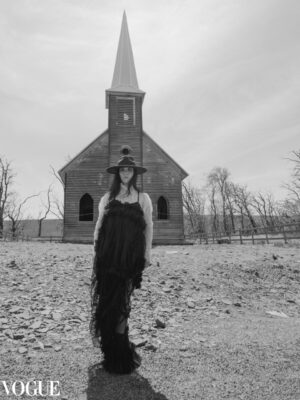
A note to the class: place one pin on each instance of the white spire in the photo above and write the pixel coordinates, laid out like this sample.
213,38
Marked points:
124,79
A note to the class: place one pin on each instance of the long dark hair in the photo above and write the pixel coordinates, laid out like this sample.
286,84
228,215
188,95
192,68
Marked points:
116,184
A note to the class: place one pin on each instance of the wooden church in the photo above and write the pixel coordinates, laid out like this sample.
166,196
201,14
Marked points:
86,180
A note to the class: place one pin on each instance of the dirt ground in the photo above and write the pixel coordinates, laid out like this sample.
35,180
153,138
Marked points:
211,321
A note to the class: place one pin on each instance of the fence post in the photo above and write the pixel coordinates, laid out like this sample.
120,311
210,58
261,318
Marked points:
213,238
252,236
241,238
284,235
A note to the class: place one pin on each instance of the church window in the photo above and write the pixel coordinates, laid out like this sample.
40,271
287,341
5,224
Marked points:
162,208
86,208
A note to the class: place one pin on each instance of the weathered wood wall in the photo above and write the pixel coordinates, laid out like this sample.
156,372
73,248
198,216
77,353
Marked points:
124,134
163,178
86,175
120,135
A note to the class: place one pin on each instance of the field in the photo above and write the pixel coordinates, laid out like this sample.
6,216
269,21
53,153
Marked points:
211,322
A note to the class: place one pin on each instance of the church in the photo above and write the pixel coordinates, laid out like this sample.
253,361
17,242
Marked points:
86,180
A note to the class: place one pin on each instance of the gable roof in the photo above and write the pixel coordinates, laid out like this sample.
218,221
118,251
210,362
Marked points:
72,162
74,159
166,155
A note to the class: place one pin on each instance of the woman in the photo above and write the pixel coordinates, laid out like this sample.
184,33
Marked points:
122,243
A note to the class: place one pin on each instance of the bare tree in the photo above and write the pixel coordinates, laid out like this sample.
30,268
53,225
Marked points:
290,210
47,209
214,209
237,203
194,204
58,210
296,160
293,201
6,180
228,190
242,200
267,209
218,181
15,212
55,174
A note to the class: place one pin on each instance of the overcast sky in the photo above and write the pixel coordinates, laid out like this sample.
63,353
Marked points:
222,83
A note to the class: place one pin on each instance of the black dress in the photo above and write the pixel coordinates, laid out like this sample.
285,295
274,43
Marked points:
118,265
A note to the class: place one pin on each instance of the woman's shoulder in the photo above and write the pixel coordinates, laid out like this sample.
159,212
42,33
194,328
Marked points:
144,195
145,198
104,198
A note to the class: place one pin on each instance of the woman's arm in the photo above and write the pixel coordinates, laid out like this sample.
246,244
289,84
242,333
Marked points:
103,202
148,209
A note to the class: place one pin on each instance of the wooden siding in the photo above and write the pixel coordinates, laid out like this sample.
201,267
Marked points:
87,176
163,178
127,134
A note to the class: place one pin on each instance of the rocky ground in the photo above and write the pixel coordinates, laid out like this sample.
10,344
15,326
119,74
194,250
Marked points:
211,322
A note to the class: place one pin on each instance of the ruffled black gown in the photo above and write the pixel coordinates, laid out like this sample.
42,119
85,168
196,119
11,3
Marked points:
118,265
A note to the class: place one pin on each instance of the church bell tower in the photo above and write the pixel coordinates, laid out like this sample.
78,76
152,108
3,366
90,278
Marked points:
124,102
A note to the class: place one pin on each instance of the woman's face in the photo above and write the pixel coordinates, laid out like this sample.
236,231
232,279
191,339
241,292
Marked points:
126,173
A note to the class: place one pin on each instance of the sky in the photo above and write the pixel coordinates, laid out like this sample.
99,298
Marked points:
222,83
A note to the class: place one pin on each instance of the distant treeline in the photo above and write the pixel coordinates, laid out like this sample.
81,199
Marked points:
31,228
222,206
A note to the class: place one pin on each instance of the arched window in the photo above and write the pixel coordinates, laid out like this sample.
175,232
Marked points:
162,208
86,208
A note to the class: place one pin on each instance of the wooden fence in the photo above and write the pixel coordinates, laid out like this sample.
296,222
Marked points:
26,238
281,232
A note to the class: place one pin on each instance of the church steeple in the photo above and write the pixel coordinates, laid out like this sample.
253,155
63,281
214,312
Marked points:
124,102
124,77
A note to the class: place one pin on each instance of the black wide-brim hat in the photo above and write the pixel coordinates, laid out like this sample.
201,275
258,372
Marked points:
126,161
